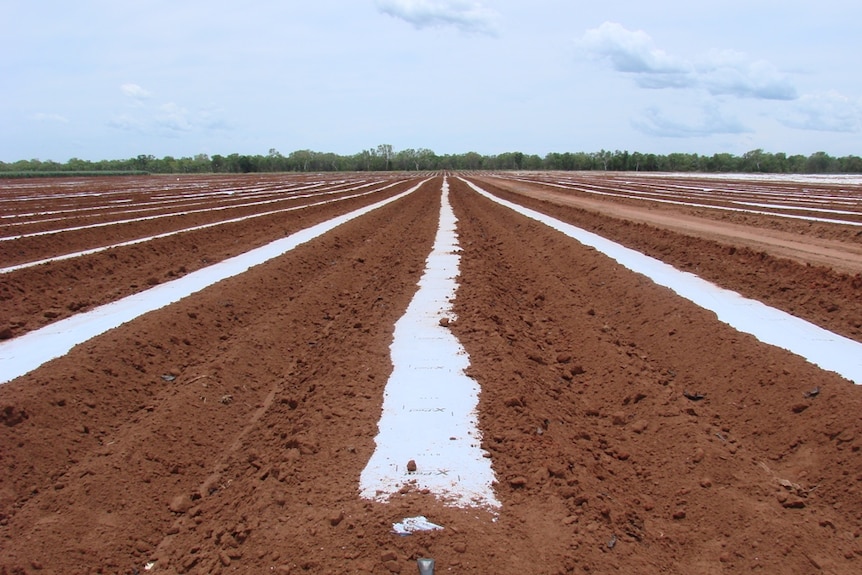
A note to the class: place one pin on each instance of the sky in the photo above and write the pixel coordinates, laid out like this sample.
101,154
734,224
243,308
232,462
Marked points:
102,79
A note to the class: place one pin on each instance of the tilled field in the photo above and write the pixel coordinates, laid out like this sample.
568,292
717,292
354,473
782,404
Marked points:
227,432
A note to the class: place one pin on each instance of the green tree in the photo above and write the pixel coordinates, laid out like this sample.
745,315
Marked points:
819,163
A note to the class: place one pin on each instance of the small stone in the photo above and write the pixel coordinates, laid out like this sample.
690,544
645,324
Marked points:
698,456
411,466
706,482
648,503
639,426
793,502
799,407
514,402
619,418
337,518
518,482
564,358
444,322
567,492
679,514
556,469
387,556
223,557
460,547
180,504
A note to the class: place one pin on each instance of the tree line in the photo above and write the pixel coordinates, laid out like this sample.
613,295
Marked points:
384,158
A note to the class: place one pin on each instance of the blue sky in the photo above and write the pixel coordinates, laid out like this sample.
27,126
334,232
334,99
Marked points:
102,79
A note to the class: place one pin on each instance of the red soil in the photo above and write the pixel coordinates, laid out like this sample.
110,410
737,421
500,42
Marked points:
226,433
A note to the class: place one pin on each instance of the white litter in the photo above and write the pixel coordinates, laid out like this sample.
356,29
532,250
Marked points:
27,352
429,404
414,524
821,347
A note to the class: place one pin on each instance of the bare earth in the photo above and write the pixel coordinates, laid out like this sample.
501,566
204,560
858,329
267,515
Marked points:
840,255
226,433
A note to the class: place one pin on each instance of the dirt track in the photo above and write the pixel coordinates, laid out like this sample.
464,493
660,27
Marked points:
226,433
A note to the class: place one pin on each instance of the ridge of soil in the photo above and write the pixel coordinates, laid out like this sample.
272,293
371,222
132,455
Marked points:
33,297
820,294
629,430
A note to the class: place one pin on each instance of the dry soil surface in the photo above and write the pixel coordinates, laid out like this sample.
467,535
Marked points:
226,433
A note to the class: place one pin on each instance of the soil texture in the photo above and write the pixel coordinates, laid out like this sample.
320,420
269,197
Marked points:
628,429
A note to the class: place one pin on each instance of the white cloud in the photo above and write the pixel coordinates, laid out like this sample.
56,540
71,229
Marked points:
629,51
706,122
719,73
173,118
136,92
825,112
466,16
168,119
43,117
126,123
733,73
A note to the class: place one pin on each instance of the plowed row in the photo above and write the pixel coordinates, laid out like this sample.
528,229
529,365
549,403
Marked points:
35,296
226,433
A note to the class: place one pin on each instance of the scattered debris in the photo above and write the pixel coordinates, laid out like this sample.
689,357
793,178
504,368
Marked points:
694,396
613,542
411,525
168,377
813,393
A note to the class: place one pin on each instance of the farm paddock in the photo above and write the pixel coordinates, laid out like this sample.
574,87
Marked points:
226,433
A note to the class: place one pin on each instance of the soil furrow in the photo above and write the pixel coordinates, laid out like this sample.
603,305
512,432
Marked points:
629,430
604,462
99,443
824,296
33,297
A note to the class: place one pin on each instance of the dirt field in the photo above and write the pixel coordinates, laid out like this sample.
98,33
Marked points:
226,433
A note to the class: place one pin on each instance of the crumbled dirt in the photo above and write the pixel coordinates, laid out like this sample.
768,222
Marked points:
791,267
33,297
628,429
